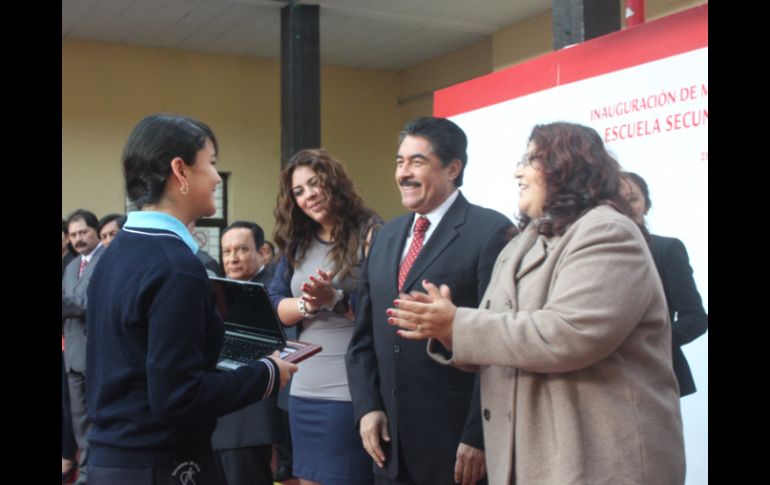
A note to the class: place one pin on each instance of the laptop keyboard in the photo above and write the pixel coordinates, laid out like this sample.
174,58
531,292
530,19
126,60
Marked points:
245,350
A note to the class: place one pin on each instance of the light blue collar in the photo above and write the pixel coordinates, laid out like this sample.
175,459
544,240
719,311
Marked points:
161,220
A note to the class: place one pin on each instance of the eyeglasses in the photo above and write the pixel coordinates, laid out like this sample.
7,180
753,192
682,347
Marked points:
527,160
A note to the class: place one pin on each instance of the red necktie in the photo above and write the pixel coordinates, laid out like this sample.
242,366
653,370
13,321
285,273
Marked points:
414,249
83,264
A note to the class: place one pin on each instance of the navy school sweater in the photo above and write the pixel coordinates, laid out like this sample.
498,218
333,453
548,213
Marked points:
154,336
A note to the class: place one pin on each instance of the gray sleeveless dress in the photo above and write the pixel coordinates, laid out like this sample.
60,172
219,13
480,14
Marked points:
327,448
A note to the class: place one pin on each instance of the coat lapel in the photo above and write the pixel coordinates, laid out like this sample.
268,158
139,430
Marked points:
445,233
532,258
89,267
504,266
516,260
527,252
394,245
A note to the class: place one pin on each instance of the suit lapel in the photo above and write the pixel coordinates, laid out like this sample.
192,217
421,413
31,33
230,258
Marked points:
71,275
394,246
444,234
89,267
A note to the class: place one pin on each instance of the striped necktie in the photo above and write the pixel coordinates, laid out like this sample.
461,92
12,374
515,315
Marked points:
418,237
83,264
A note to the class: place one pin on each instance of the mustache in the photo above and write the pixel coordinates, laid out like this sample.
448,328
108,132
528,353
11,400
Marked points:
80,244
409,183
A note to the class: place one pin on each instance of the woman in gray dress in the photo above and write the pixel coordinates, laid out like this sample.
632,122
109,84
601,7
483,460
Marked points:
324,232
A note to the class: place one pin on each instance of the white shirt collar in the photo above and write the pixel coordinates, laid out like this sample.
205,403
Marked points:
437,214
87,257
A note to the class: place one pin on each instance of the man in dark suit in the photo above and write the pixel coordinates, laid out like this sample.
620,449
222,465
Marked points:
421,421
243,439
82,227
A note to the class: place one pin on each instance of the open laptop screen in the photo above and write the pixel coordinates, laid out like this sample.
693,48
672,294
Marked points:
245,307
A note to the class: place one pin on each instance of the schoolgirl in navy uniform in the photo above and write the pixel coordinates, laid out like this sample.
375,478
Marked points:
154,333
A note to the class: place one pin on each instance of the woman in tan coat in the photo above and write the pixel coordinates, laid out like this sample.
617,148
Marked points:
572,339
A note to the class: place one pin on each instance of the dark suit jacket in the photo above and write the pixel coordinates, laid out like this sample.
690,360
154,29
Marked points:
209,262
683,299
73,310
252,425
266,275
429,407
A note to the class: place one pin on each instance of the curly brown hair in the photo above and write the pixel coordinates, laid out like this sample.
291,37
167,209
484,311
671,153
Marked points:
579,175
294,230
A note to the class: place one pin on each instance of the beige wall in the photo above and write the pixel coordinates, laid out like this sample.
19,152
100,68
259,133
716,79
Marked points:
359,126
508,46
108,88
513,44
655,9
419,82
522,41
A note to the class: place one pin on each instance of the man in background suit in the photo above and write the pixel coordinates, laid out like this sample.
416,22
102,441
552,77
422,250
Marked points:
420,421
68,253
69,447
267,250
212,265
109,226
82,227
243,439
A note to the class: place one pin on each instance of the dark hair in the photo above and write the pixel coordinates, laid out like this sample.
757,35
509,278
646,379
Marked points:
271,245
118,218
153,143
579,175
294,230
639,181
64,230
86,216
447,140
256,231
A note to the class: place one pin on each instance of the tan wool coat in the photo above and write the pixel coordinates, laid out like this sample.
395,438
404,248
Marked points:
573,345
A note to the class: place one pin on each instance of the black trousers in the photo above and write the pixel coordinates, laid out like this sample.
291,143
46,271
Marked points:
245,466
403,477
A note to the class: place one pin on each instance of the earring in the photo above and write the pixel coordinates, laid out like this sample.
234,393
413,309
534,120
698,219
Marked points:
184,189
